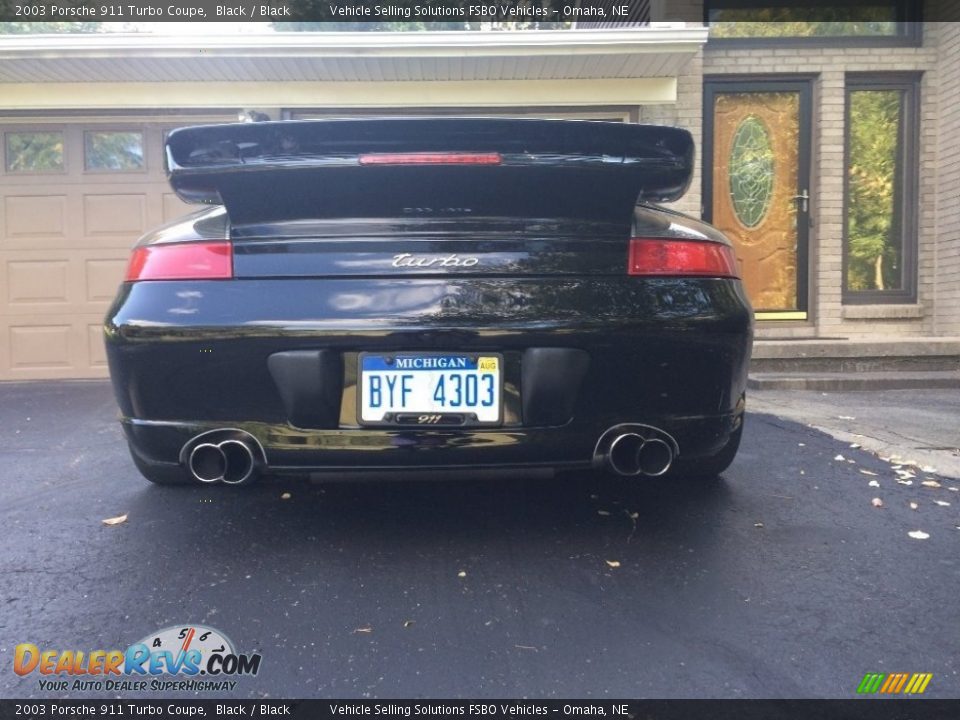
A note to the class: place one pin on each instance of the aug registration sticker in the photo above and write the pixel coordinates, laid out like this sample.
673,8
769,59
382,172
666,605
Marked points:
430,388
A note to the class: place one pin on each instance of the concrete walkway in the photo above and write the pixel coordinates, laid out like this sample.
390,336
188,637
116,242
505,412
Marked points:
909,427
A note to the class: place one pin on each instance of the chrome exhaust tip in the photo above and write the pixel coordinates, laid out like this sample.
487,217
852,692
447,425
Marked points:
239,462
207,463
636,450
228,455
655,457
624,454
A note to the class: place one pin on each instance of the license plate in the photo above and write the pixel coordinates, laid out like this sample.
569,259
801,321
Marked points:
430,389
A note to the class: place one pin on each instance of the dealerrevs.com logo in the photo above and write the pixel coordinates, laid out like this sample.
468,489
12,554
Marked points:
184,657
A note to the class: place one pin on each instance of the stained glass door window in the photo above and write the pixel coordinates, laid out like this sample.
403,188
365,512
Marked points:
757,194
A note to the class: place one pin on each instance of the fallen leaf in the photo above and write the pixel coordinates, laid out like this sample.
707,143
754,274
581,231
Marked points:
931,483
841,458
285,496
119,519
918,534
867,472
877,502
364,630
462,574
913,506
603,512
407,623
873,483
613,563
942,503
905,482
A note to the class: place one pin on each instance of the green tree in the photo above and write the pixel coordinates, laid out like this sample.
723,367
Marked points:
34,151
113,150
874,241
802,22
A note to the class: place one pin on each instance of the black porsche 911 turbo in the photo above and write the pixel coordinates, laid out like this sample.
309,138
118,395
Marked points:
430,293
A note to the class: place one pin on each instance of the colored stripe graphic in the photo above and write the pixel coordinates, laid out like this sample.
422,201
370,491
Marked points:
894,683
918,683
891,683
870,683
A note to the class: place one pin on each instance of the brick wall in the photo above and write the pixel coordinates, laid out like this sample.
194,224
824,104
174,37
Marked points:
947,290
686,113
688,110
829,66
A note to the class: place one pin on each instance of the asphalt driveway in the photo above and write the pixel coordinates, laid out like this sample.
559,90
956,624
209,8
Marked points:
780,580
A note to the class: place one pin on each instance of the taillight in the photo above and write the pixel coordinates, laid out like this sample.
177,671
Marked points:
430,158
678,258
187,261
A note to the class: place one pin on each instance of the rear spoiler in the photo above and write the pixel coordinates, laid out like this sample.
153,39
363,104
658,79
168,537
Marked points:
275,171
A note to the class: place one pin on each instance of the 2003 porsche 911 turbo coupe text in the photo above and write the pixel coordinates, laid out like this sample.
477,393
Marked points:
430,294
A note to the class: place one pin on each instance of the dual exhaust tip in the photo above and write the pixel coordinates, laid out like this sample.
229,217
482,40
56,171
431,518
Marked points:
231,462
631,454
234,462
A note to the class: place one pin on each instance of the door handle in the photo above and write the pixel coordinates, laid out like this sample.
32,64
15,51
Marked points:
802,200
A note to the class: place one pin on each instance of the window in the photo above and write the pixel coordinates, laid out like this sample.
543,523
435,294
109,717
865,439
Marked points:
112,150
34,152
880,237
817,22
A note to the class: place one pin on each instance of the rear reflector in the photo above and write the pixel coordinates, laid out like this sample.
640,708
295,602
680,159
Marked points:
678,258
430,159
187,261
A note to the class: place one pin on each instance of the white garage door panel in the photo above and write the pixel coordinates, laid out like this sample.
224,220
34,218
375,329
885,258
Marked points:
59,282
65,237
32,218
42,347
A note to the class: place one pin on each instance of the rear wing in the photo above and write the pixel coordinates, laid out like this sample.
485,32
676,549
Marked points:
402,167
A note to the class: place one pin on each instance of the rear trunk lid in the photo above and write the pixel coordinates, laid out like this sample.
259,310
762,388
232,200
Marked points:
429,196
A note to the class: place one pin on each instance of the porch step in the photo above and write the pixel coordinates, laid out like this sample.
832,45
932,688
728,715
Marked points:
861,364
914,355
838,381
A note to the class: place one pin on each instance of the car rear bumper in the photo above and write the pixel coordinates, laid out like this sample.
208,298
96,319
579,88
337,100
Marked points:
289,449
669,353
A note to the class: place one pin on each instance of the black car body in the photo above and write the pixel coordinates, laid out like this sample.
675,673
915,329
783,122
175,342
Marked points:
249,335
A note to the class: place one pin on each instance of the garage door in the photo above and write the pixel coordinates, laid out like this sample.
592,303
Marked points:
74,196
